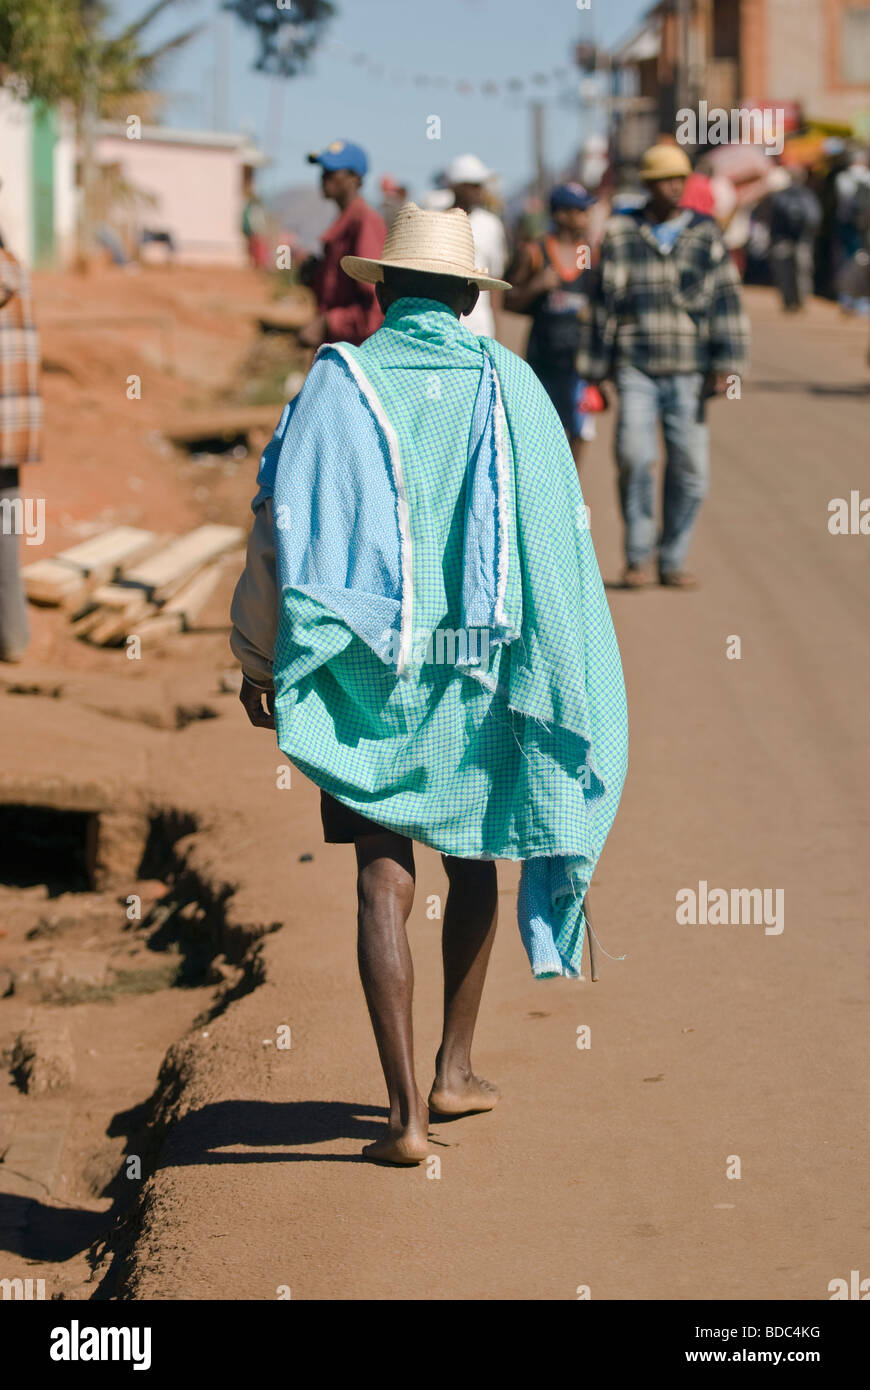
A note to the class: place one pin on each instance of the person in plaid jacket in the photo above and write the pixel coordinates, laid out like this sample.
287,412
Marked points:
20,427
668,328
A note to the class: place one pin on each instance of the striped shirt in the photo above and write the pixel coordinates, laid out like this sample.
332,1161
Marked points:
20,401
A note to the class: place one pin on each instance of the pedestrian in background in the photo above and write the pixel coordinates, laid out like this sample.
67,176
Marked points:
468,176
346,311
254,225
551,280
668,327
795,217
852,187
20,430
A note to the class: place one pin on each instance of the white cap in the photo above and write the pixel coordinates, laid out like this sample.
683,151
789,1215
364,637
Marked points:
437,200
467,168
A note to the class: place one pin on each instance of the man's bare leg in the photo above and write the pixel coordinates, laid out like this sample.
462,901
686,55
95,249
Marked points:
466,941
385,888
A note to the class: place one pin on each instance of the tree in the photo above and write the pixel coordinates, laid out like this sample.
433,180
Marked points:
38,42
288,30
59,50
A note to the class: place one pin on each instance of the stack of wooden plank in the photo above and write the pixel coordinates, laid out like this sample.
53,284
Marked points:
66,578
128,581
220,426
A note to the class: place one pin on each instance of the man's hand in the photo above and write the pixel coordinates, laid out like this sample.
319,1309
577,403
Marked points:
547,279
716,383
313,333
251,697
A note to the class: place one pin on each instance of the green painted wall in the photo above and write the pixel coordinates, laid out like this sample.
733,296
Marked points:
42,156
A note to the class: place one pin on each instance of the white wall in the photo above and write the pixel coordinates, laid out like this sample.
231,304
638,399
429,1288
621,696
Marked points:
198,192
65,192
16,211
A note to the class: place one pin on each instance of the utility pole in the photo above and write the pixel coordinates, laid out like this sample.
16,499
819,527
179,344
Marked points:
221,71
682,84
88,117
538,147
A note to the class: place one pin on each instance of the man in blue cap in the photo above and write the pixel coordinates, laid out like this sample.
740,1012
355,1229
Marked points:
550,282
347,311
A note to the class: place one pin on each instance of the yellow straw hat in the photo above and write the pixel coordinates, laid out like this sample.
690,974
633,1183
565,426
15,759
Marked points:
436,243
664,162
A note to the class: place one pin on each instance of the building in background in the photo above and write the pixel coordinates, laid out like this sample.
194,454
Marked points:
184,189
809,57
184,185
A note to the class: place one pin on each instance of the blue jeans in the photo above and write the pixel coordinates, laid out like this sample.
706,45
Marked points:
677,401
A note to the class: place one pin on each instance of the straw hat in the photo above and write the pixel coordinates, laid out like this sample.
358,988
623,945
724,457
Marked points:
664,162
436,243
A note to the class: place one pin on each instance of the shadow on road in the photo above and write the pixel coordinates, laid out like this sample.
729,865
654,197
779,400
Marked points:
247,1131
814,388
44,1234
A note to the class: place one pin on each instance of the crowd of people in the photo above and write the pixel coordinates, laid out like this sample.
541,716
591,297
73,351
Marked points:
647,306
632,289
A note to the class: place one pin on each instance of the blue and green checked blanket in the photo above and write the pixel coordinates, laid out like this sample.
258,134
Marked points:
446,662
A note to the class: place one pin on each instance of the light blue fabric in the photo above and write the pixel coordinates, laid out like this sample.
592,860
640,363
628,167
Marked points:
423,481
666,233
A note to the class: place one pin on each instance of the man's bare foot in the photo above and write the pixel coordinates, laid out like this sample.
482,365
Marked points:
462,1093
403,1144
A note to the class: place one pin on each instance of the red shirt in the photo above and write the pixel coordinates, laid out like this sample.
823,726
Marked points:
351,309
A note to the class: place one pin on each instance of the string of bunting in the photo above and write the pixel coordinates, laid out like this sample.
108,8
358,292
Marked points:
488,87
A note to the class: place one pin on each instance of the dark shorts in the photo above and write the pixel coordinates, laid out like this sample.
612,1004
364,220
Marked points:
341,825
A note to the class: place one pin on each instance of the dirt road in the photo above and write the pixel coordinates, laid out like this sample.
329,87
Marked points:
716,1049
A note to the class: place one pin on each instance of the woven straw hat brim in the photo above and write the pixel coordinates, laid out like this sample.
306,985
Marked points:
372,272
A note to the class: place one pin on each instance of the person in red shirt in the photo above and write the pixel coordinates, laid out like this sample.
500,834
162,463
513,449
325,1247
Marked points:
347,309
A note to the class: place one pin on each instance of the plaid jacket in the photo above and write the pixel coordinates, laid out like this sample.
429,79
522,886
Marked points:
20,402
664,312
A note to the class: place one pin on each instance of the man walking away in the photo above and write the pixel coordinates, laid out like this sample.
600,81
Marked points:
346,311
422,609
795,217
468,177
668,327
551,279
853,231
20,425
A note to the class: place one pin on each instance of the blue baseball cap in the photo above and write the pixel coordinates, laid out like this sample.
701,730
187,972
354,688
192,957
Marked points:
341,154
570,195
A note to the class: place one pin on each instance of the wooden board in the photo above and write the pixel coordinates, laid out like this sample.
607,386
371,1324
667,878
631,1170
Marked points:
286,317
223,423
163,572
113,626
179,614
66,577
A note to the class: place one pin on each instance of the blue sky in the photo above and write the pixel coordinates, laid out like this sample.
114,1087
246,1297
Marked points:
471,39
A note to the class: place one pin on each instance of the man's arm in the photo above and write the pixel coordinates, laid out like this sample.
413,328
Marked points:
594,359
10,277
254,615
528,282
729,323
